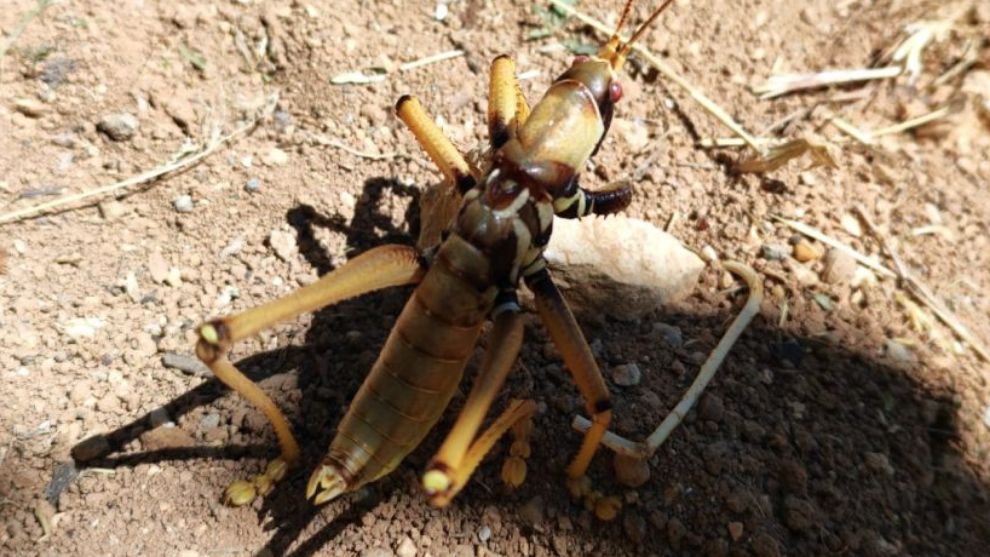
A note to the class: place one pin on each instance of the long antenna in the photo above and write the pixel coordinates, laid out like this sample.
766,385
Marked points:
625,48
622,19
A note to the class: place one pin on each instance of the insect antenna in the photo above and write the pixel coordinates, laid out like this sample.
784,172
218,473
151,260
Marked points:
624,50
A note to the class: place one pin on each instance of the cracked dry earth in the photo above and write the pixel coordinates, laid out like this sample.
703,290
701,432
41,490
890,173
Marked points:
834,427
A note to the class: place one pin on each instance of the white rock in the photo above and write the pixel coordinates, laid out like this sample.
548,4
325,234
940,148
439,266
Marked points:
284,244
275,157
158,267
82,327
851,225
621,266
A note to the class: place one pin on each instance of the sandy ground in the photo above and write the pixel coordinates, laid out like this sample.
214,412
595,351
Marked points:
842,423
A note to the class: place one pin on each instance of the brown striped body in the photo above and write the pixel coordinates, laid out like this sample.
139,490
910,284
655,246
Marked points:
498,237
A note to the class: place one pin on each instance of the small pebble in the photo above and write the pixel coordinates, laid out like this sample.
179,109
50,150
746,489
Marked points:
183,204
669,334
284,244
30,108
735,530
111,210
898,352
774,252
441,11
804,252
851,225
484,534
711,408
157,267
158,417
406,548
631,471
209,421
532,511
840,267
709,254
275,157
185,363
118,127
878,462
253,185
765,545
627,375
634,526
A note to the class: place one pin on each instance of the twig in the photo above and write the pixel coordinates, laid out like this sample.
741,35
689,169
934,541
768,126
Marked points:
828,240
381,74
431,60
39,7
921,291
670,74
323,140
849,129
777,85
913,122
178,163
646,448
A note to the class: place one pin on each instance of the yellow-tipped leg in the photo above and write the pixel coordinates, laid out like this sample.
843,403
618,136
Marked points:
376,269
447,481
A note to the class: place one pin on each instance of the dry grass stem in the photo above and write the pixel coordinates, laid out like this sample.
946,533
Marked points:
779,155
646,448
186,157
816,234
908,53
670,74
777,85
921,292
326,141
378,74
852,131
913,122
720,142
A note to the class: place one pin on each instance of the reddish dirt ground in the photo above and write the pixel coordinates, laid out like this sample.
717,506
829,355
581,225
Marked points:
834,427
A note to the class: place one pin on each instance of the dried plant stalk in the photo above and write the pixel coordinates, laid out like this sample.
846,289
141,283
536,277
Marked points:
646,448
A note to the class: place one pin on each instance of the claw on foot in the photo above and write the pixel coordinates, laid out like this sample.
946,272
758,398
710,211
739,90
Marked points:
605,507
239,493
514,471
242,492
325,484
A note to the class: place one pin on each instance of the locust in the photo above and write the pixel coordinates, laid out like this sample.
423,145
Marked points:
491,245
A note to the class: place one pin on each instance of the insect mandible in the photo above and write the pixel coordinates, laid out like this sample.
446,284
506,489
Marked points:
507,203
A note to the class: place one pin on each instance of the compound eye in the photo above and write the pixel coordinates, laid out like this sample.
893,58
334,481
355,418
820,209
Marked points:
614,91
579,59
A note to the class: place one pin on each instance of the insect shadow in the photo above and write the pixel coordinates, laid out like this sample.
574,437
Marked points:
797,423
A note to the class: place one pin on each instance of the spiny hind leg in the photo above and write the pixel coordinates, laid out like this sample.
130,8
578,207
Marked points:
567,336
463,449
375,269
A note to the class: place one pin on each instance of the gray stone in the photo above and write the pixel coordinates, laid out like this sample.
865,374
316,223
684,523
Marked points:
118,127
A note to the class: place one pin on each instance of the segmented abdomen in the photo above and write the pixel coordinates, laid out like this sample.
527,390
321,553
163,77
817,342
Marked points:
419,367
